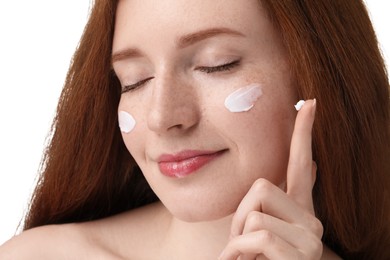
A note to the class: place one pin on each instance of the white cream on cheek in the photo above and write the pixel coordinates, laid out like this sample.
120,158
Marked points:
243,99
126,122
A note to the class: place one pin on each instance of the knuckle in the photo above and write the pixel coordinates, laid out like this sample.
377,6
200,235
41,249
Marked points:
319,247
316,248
255,220
262,187
316,227
265,237
252,218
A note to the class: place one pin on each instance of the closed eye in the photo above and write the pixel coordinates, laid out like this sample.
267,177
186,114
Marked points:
220,68
134,86
208,70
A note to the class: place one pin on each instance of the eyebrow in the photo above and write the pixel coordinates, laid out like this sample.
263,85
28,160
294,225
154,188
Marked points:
125,54
183,42
193,38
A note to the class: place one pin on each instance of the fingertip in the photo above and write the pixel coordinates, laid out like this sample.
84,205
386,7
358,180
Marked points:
236,225
312,103
306,112
233,233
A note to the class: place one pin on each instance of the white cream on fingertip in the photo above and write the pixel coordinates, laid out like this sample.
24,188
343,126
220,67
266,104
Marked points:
126,122
299,105
243,99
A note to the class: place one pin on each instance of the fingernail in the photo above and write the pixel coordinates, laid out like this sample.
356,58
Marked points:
314,107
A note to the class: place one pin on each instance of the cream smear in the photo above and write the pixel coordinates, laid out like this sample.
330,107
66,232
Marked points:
243,99
126,122
299,105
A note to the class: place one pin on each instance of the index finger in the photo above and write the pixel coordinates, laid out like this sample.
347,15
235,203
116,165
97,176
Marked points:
299,172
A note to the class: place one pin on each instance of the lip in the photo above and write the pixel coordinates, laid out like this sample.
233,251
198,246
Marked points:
186,162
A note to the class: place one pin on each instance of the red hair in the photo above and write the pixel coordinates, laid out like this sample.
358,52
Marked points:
334,56
87,172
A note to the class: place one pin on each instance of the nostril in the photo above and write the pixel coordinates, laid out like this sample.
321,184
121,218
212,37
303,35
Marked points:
176,116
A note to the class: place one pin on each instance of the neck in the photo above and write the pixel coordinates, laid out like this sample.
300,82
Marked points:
200,240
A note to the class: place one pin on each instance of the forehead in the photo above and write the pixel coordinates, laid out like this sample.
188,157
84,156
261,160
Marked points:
162,20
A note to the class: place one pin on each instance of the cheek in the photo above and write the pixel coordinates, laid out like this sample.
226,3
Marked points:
127,119
132,127
260,135
261,144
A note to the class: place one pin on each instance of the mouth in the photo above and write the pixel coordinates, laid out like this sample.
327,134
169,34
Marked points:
186,162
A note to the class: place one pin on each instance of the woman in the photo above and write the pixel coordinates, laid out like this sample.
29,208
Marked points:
204,93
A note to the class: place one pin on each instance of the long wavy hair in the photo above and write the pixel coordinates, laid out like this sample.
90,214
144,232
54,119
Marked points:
87,173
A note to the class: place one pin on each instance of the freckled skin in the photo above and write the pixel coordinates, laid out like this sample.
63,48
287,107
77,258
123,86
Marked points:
178,104
182,106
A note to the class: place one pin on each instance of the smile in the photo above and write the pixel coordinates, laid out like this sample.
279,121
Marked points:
186,162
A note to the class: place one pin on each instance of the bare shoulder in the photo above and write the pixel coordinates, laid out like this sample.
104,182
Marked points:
50,242
118,237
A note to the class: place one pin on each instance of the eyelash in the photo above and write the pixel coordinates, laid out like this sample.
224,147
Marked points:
220,68
135,86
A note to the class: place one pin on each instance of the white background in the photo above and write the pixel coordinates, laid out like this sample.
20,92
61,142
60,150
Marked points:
37,41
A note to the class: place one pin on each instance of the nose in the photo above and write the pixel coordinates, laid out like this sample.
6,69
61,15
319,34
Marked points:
174,106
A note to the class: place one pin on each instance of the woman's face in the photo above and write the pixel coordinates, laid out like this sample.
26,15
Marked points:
182,59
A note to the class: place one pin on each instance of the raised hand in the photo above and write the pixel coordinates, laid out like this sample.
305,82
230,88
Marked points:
274,224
